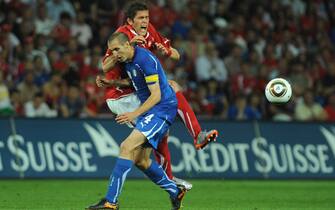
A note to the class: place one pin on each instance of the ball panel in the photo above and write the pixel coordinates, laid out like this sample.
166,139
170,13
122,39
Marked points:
278,90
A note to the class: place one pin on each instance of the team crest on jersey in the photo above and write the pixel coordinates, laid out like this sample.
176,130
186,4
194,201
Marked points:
134,73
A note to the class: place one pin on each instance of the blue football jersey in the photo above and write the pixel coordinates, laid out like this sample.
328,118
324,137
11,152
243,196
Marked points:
145,69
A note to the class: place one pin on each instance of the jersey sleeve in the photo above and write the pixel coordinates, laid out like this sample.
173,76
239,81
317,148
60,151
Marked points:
158,37
127,30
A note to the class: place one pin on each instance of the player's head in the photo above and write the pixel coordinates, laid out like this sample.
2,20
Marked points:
137,15
120,47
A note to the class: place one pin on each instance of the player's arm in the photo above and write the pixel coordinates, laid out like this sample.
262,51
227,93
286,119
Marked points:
152,100
165,50
108,62
174,54
104,82
163,44
120,82
168,51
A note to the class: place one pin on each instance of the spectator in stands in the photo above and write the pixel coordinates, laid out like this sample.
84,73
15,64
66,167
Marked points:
26,27
71,105
61,32
233,60
217,97
308,110
27,87
92,68
38,108
243,81
209,65
237,111
299,78
41,75
43,24
5,105
30,53
254,110
52,90
81,30
202,104
93,99
56,7
9,42
4,65
16,102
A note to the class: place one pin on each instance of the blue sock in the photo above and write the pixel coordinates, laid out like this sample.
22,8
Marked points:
120,171
156,173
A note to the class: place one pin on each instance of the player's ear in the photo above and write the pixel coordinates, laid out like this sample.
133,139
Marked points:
126,44
130,21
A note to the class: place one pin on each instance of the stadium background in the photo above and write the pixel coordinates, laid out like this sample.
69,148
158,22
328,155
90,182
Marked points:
50,53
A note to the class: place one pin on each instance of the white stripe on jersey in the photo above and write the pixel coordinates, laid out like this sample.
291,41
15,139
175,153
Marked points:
136,34
156,130
154,60
147,133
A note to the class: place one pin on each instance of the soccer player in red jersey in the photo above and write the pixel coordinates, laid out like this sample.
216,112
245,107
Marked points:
119,96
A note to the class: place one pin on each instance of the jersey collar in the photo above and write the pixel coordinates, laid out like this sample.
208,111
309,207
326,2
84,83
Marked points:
132,30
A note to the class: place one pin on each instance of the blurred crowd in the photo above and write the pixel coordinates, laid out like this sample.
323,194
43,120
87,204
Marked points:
51,52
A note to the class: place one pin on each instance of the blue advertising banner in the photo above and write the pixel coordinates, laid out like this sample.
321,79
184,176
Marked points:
87,148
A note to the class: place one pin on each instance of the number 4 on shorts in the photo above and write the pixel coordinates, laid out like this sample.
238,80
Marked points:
148,118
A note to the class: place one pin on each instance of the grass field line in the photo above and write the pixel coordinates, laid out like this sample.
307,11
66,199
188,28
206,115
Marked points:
144,195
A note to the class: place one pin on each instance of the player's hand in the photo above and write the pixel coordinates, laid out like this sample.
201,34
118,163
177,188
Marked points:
98,81
103,82
165,51
138,40
125,118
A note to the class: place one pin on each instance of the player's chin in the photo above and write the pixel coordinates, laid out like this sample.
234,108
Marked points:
143,31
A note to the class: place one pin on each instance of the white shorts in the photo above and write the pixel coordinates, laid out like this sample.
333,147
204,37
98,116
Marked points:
125,104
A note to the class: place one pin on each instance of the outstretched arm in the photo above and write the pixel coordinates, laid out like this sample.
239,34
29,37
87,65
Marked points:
170,52
103,82
174,54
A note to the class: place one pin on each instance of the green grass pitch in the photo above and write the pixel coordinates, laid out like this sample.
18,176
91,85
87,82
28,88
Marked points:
142,194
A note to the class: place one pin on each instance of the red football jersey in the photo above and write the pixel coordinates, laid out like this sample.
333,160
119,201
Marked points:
152,37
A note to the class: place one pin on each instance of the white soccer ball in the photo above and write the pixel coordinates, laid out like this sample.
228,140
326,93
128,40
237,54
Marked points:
278,91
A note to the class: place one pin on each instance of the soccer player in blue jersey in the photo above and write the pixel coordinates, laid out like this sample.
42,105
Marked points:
153,118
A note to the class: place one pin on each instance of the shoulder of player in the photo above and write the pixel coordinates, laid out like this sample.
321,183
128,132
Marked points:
144,58
142,54
126,29
152,29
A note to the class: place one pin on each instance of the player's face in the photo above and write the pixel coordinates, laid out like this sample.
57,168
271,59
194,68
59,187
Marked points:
140,22
121,51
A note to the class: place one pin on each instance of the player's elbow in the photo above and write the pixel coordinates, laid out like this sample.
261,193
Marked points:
105,68
175,55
